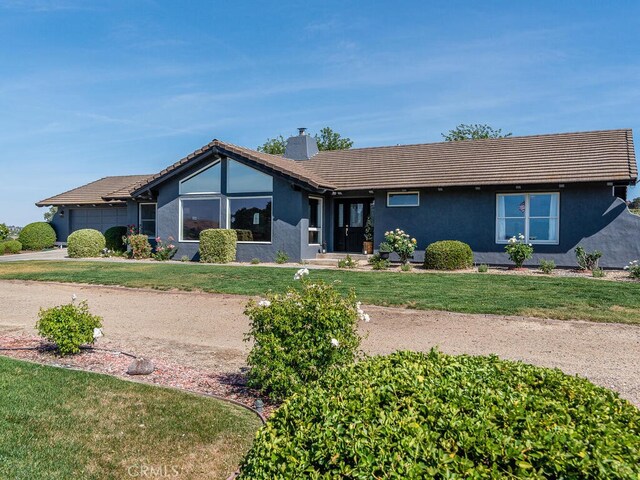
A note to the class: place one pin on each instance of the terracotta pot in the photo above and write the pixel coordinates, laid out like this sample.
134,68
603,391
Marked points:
367,248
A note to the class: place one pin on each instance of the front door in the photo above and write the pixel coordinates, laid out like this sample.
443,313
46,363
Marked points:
350,219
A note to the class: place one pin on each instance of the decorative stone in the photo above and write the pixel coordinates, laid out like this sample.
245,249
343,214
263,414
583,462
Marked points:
141,366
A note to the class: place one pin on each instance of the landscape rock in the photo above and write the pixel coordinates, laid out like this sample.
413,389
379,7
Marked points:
141,366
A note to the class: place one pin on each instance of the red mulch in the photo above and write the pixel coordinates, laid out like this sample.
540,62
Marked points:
231,386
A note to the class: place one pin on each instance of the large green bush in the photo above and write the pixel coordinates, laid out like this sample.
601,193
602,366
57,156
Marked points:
4,232
448,255
37,236
10,246
68,326
218,245
114,238
412,415
85,243
299,335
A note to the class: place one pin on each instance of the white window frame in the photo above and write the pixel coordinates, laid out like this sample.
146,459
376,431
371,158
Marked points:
247,198
320,221
192,198
527,217
155,220
416,192
206,167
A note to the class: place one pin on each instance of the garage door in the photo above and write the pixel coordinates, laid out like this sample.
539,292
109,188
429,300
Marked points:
98,218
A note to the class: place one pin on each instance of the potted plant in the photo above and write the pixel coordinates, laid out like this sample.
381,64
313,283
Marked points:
384,250
367,246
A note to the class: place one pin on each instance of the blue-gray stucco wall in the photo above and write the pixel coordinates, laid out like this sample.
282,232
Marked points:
288,227
589,216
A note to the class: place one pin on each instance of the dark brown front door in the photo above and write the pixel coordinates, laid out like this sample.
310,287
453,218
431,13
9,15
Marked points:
350,219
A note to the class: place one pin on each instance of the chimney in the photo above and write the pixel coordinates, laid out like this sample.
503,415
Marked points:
301,147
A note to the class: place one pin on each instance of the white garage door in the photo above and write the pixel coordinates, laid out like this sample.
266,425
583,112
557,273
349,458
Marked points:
98,218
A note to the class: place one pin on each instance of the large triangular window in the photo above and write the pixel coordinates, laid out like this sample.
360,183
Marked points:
206,180
243,179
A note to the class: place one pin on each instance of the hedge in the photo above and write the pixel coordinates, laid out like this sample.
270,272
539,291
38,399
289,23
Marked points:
85,243
113,238
37,236
415,415
10,246
448,255
218,245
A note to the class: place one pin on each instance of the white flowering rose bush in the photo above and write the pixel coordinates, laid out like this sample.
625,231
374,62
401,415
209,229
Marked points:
633,268
301,334
401,243
518,250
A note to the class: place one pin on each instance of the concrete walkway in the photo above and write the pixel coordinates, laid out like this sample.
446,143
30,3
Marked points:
54,254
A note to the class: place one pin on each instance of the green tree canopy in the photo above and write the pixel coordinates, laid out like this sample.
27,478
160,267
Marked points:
473,132
326,140
49,214
330,140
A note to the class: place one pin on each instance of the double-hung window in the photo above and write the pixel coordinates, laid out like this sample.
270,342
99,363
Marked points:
147,219
534,215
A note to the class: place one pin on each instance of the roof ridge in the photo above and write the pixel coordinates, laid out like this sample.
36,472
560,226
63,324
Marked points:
467,141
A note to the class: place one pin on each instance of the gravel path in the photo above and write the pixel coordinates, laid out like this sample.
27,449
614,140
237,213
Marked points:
206,331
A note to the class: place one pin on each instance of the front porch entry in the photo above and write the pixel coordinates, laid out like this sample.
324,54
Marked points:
350,218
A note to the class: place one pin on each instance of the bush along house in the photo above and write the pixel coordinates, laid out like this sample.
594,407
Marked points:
558,190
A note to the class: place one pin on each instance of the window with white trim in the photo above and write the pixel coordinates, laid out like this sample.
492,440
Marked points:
244,179
403,199
147,213
315,220
251,218
196,215
205,180
534,215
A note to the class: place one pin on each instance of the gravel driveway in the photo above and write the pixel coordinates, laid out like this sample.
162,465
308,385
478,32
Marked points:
206,330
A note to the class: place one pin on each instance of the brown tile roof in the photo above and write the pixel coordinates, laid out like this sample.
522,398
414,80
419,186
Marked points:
556,158
95,192
280,164
606,155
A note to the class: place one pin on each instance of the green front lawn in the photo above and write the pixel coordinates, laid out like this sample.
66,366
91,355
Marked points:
61,424
545,297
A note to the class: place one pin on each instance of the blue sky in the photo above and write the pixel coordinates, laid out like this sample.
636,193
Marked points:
90,89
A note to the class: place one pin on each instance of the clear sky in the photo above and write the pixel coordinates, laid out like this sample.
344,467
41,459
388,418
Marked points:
91,89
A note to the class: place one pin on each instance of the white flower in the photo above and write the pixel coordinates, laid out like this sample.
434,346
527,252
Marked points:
301,273
335,343
530,245
97,333
626,267
74,297
366,318
264,303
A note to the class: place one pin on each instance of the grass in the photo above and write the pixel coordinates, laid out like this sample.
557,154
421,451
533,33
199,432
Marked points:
544,297
61,424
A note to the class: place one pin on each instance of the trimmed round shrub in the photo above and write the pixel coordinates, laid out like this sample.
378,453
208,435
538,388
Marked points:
68,326
414,415
448,255
245,235
10,246
113,237
218,245
4,232
37,236
85,243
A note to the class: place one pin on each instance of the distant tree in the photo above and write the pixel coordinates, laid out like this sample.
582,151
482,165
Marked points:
274,146
330,140
327,140
635,203
48,215
473,132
